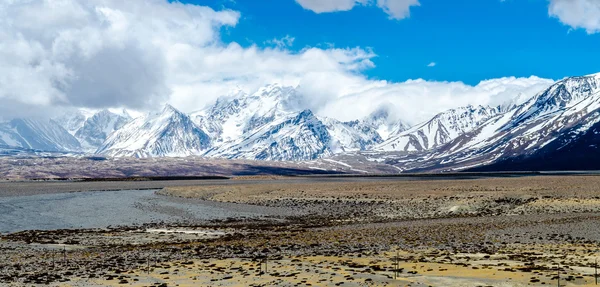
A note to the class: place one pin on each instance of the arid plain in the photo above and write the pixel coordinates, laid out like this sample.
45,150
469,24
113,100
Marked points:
464,230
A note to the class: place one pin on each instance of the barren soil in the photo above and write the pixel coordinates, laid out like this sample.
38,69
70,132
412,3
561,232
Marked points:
522,231
412,199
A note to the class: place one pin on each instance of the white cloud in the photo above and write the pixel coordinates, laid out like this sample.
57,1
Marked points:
97,53
396,9
214,71
418,100
323,6
140,54
432,64
284,42
584,14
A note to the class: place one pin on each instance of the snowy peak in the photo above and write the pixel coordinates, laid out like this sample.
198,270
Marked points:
562,95
44,135
298,136
72,121
441,129
238,113
512,103
166,133
286,98
380,115
169,111
265,99
96,128
382,120
464,118
168,115
554,119
123,113
272,124
351,136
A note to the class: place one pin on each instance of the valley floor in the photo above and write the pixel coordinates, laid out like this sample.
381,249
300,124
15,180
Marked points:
495,231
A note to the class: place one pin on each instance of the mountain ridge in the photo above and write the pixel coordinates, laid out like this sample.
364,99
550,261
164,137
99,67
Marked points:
270,124
166,133
571,105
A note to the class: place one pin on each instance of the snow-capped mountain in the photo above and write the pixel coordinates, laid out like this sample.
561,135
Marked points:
562,116
44,135
381,120
95,129
73,120
571,150
555,126
238,113
439,130
271,125
513,103
268,124
301,137
298,136
570,103
351,136
166,133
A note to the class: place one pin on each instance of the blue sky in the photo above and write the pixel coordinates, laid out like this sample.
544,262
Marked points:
469,40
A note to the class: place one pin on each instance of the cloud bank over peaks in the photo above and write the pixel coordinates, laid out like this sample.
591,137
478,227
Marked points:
419,100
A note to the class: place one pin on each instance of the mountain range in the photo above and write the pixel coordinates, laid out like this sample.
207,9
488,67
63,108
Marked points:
546,131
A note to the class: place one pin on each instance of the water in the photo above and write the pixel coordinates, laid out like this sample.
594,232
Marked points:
103,209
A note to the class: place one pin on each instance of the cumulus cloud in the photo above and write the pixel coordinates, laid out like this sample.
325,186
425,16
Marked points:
320,6
418,100
284,42
584,14
97,53
396,9
140,54
206,74
432,64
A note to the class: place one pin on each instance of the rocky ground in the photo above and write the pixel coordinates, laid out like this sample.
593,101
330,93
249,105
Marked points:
526,231
412,199
53,167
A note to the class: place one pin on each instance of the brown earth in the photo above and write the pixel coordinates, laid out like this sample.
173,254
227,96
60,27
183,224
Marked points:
521,231
411,199
559,186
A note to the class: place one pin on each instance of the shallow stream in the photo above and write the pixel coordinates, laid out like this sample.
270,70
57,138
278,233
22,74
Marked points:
99,209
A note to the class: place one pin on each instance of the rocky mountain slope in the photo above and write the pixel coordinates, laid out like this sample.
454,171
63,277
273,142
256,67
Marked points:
96,129
166,133
44,135
91,128
73,120
546,131
237,114
439,130
299,136
270,125
552,122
